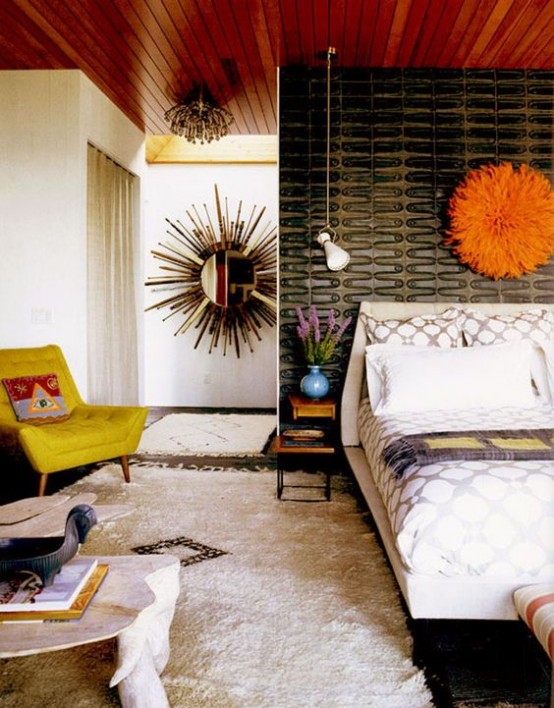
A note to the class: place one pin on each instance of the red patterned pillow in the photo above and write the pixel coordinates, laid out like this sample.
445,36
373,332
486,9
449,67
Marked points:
36,399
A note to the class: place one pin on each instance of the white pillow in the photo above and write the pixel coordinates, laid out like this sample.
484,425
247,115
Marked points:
547,349
535,324
540,372
431,378
374,370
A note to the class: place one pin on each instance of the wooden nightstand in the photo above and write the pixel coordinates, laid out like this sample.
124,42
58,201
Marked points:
304,407
323,450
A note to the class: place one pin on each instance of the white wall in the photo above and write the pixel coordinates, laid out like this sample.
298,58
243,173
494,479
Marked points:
41,213
176,373
46,119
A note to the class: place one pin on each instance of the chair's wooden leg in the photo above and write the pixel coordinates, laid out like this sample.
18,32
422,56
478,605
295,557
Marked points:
125,467
42,479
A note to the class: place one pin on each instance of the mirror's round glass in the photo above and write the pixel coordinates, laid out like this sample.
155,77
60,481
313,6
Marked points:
228,278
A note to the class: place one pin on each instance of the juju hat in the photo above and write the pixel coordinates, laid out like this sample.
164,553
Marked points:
502,220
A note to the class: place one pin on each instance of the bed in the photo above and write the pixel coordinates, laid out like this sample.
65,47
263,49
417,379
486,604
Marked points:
439,576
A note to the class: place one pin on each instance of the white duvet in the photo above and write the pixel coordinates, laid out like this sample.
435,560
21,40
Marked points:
487,518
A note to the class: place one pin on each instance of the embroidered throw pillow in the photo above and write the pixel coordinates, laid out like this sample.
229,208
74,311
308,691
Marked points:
433,330
36,399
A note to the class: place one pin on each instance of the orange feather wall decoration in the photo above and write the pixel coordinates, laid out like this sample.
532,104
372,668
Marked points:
502,220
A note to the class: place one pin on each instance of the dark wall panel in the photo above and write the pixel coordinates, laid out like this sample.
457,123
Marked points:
401,140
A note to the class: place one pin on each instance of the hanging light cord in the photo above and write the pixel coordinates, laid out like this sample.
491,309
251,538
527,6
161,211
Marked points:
330,53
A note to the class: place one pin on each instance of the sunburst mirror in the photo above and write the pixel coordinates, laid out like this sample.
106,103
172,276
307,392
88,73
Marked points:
222,278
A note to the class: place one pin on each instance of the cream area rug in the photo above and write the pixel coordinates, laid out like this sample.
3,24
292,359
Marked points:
282,604
218,434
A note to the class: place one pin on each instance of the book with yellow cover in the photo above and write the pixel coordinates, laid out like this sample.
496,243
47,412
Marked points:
71,613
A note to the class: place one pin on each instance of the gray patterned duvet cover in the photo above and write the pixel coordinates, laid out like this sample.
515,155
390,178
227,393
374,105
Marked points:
488,517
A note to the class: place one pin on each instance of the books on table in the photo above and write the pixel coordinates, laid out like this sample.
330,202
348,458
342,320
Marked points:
22,597
304,436
24,590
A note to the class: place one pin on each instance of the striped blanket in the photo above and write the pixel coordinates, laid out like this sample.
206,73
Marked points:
427,448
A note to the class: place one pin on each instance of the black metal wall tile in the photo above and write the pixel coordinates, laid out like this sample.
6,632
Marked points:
402,139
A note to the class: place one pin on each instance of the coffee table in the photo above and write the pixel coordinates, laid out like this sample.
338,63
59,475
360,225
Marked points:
135,603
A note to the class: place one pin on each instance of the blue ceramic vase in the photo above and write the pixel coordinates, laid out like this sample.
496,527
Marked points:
315,384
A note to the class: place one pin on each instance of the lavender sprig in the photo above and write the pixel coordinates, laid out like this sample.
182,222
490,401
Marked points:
318,347
342,329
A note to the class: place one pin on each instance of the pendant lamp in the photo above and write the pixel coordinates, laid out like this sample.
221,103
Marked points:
336,257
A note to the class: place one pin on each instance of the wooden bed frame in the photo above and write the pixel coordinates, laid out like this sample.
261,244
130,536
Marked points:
426,596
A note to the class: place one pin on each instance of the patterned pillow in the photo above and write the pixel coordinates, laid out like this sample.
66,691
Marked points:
536,324
433,330
36,399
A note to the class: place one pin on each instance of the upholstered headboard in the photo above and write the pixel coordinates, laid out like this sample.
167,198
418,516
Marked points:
354,385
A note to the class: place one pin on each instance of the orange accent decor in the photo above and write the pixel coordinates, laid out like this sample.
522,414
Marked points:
502,220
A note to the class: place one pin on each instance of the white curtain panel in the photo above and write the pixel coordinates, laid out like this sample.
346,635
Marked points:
112,228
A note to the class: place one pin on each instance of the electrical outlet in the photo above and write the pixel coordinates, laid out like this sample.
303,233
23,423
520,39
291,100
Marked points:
41,315
207,379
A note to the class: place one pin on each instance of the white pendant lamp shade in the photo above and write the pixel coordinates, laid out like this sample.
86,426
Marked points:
337,258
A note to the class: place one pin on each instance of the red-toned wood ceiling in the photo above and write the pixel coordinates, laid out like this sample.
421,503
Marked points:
145,54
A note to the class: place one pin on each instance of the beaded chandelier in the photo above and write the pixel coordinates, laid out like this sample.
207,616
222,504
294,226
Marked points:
199,117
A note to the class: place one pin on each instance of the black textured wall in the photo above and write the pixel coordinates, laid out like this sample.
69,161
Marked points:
401,140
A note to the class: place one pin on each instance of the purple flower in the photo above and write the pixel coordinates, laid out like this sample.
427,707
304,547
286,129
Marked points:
303,328
341,330
314,323
313,319
300,315
318,348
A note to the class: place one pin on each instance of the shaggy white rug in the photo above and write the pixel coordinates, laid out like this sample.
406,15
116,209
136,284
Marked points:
198,434
293,605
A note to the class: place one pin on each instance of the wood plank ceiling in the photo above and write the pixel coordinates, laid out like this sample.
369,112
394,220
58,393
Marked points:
146,54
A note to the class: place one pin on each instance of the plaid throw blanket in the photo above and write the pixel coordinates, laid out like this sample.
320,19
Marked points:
426,448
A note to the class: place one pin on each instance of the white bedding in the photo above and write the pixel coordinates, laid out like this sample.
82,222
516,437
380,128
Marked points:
487,518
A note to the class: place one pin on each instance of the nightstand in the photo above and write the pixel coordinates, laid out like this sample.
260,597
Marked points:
304,407
319,446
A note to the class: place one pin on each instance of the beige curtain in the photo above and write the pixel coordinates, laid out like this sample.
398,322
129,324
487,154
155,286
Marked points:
112,226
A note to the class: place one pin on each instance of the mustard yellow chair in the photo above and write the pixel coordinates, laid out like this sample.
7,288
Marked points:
81,434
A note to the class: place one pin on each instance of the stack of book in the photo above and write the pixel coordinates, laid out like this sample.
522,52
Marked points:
303,436
24,599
